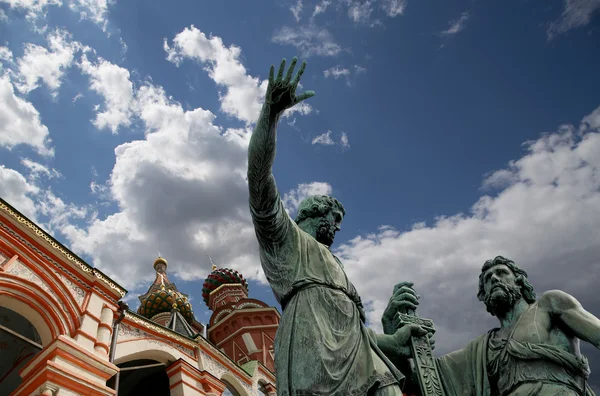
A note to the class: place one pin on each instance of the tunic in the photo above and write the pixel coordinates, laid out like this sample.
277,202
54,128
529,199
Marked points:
322,346
499,367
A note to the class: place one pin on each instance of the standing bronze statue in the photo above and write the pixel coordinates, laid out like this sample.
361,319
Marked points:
535,351
322,346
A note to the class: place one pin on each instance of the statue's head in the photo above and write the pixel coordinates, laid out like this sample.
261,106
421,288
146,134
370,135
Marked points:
321,216
502,284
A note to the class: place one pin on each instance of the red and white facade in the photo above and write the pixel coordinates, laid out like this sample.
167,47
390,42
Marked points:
57,317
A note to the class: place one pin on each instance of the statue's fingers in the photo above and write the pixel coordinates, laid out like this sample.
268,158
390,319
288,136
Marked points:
272,75
281,69
403,306
407,297
299,74
405,290
417,330
304,96
402,284
288,76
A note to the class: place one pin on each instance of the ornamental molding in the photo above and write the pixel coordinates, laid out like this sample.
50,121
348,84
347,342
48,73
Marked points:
64,252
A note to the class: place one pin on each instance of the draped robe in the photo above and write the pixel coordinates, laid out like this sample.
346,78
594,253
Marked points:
322,346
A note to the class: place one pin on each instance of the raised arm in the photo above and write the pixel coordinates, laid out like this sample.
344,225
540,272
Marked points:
569,311
281,95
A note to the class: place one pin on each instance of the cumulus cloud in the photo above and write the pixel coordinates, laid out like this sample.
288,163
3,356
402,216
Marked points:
291,199
456,25
20,121
576,13
94,10
46,65
16,190
32,9
309,40
113,84
243,93
181,189
544,215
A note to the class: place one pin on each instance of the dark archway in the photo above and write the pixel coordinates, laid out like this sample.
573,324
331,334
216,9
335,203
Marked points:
134,381
19,343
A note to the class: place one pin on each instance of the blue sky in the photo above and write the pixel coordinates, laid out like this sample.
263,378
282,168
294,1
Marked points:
470,129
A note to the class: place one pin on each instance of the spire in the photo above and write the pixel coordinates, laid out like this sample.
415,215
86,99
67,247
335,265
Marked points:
214,266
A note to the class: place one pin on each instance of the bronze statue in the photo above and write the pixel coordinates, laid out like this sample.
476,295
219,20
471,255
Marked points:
535,351
322,346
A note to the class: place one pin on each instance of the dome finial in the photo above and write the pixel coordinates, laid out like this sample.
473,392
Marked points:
214,266
160,264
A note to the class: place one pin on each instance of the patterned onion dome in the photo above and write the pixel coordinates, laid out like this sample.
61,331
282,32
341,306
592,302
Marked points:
221,276
164,300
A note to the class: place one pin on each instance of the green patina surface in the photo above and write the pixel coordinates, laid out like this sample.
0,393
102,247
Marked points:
322,346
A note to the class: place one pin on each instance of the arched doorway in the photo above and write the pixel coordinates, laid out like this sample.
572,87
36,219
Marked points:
234,388
19,343
142,377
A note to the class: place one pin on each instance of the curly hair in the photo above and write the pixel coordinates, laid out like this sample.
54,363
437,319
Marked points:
520,275
317,206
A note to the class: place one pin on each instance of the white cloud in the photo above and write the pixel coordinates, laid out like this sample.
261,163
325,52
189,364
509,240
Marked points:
182,189
576,13
36,170
296,9
321,8
309,40
291,199
77,97
394,8
17,191
113,83
3,16
94,10
359,69
336,72
324,139
344,142
456,25
33,9
360,12
243,93
39,63
545,217
20,121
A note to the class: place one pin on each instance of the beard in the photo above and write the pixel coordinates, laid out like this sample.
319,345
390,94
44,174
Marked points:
325,232
501,303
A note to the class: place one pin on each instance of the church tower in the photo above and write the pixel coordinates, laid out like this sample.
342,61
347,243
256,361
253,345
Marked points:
243,328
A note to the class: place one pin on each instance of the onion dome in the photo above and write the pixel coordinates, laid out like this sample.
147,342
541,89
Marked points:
221,276
163,296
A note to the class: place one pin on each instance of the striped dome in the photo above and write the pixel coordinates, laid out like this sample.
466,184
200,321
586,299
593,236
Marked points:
221,276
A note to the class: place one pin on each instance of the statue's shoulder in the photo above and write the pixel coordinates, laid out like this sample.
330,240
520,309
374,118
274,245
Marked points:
557,301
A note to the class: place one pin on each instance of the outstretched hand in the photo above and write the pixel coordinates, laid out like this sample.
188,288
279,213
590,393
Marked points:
281,92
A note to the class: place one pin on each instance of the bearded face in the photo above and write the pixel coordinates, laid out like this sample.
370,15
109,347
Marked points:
502,298
326,232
